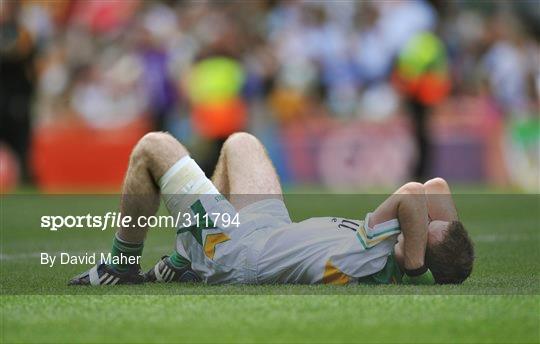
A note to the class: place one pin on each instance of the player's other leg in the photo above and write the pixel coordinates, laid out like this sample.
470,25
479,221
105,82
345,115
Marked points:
153,155
245,173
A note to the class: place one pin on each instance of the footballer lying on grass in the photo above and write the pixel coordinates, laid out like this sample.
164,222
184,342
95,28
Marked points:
414,236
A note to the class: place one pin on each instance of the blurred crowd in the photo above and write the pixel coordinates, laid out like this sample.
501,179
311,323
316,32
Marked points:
111,62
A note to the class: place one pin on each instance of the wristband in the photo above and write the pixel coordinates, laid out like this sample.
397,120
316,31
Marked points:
416,272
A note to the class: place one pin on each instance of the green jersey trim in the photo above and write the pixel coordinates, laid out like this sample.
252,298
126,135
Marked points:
196,230
390,273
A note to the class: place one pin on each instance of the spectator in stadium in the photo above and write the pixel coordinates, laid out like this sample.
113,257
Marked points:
17,54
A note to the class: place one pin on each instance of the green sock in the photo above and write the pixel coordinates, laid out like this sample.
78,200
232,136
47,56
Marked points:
178,261
125,250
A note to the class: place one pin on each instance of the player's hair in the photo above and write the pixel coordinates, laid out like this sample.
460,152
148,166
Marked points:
451,260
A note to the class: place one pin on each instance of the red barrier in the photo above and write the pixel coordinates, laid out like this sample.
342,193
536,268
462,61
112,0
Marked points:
72,156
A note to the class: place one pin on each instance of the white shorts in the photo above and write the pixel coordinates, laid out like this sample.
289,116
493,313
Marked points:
219,250
266,246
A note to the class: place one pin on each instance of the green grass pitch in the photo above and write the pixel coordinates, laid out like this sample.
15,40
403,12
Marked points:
500,303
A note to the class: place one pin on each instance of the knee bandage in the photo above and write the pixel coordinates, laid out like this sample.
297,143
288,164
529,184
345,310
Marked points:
183,184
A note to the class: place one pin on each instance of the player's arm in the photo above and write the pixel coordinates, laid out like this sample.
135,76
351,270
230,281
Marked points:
409,206
439,200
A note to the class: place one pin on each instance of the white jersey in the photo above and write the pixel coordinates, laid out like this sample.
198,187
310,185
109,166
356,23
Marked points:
326,250
263,245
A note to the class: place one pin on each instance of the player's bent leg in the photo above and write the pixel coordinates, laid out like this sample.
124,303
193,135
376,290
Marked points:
245,172
153,155
186,190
